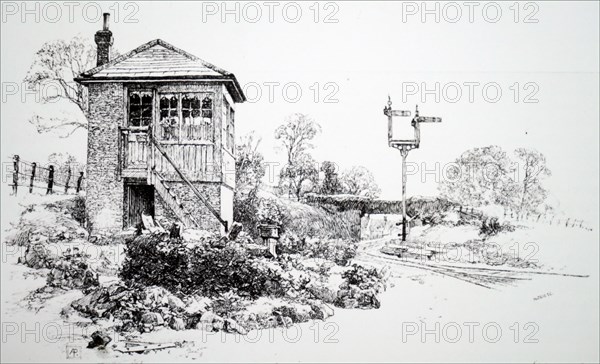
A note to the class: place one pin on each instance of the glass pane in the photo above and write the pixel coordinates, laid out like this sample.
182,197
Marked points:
147,112
196,102
185,102
207,103
164,102
147,99
134,99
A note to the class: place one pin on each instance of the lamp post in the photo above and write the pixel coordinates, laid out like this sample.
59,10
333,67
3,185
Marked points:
405,144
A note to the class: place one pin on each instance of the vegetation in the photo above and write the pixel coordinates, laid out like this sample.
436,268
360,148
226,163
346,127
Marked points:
489,176
55,65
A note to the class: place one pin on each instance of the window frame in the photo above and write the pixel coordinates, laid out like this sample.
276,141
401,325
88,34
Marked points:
181,138
140,91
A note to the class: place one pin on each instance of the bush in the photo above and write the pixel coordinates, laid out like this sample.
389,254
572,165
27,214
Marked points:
208,267
491,227
335,250
359,275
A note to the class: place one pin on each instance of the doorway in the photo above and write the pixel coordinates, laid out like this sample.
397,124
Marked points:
139,200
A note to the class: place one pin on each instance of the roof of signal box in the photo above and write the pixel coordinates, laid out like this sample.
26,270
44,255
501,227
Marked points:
158,60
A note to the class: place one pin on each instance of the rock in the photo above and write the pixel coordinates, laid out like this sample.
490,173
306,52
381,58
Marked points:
152,318
175,231
233,327
327,311
197,306
234,231
177,324
99,340
348,303
40,255
175,303
343,293
210,322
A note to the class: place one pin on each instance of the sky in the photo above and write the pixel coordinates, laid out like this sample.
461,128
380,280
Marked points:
523,75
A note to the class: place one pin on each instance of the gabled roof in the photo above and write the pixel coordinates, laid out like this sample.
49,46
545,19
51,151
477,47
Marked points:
159,60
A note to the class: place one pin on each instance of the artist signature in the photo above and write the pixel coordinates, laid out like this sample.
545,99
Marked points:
542,296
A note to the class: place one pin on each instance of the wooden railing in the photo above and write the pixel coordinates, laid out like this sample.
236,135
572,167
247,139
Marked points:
189,183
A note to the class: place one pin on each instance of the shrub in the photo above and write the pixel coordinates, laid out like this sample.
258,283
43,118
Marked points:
208,267
359,275
335,250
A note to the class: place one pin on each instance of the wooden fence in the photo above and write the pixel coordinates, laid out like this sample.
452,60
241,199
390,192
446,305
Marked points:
51,178
544,218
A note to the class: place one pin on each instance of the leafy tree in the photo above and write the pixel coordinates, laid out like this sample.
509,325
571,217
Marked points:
301,176
250,169
54,67
296,135
331,183
358,180
533,164
481,176
249,163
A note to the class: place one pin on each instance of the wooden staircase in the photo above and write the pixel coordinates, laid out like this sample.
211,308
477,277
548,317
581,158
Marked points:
170,198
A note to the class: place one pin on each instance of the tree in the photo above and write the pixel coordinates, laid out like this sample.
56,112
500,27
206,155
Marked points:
54,67
481,176
296,135
330,184
533,164
358,180
249,163
250,169
301,176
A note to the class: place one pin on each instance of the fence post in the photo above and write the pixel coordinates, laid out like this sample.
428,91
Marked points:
50,180
33,167
67,181
79,182
567,223
16,159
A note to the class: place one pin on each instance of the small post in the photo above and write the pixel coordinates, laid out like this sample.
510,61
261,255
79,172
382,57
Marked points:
67,181
16,159
79,180
539,216
50,180
33,167
567,223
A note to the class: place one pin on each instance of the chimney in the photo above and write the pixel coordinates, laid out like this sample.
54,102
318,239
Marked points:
104,41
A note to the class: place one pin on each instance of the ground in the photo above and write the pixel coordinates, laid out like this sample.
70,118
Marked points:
424,316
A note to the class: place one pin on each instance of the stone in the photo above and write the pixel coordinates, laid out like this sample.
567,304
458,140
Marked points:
234,231
233,327
177,324
175,303
327,311
210,322
99,340
152,318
